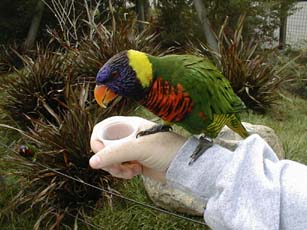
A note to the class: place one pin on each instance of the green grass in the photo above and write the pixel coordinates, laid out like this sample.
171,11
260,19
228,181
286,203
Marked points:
126,215
18,221
288,119
9,188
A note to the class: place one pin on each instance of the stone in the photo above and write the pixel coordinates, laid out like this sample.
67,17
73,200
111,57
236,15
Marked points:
170,198
229,139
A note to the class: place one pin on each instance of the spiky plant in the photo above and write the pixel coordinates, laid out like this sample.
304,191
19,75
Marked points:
255,80
89,46
9,57
40,85
295,66
92,42
94,51
63,147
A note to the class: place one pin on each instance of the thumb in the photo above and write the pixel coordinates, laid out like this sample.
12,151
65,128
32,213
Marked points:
114,154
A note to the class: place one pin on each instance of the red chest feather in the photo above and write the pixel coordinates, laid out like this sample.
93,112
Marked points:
171,103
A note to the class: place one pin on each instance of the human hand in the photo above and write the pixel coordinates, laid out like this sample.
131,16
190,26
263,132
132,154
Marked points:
148,155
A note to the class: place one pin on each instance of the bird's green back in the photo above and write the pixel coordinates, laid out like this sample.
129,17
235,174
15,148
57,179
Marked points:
210,91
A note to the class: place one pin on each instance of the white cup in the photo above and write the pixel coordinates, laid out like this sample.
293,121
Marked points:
117,131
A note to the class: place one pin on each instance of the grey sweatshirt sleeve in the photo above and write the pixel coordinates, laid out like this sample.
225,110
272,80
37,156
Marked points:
245,189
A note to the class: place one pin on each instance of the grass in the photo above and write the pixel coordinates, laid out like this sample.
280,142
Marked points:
125,215
20,221
288,119
9,188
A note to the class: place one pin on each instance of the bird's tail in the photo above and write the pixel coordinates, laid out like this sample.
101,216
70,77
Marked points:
235,124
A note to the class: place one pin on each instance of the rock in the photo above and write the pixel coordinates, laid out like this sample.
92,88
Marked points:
165,196
169,198
230,139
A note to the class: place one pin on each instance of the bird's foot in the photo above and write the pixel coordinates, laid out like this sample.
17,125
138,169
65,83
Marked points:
204,144
155,129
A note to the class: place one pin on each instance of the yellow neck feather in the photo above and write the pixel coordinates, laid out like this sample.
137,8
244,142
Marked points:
141,65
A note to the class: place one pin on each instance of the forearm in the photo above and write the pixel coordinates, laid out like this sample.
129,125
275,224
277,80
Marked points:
245,189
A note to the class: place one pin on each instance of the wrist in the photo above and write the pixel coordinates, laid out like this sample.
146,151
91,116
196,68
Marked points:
153,174
198,178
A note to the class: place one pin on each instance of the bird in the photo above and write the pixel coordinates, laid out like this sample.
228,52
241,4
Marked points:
186,90
27,151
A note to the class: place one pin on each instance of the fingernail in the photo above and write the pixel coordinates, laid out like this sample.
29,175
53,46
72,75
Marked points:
95,161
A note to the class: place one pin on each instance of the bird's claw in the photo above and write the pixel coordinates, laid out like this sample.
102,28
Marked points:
155,129
203,145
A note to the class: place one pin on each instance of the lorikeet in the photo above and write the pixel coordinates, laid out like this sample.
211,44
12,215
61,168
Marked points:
183,89
27,151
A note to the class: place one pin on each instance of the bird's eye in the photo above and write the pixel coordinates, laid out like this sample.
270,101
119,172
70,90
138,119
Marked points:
114,74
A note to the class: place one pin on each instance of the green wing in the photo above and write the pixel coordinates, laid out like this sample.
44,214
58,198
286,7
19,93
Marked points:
209,89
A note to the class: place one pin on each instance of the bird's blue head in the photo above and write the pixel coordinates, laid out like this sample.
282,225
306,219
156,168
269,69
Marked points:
118,77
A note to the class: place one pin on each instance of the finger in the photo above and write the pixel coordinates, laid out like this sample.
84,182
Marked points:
115,154
127,165
96,145
99,126
143,123
126,171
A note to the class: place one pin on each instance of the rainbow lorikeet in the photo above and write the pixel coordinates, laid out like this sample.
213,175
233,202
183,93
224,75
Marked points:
183,89
27,151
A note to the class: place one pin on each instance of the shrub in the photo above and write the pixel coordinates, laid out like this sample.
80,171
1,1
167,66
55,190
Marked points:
65,148
38,86
95,50
177,22
294,62
10,57
254,80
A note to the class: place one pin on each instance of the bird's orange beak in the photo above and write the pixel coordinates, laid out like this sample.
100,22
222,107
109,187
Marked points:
104,95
